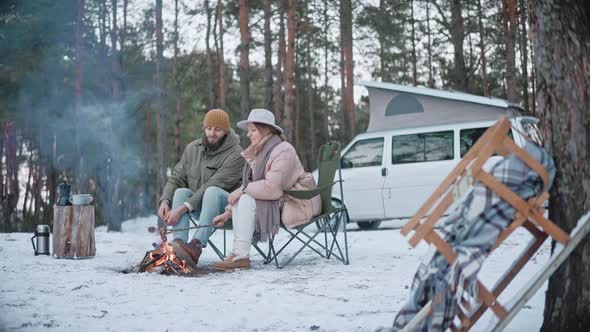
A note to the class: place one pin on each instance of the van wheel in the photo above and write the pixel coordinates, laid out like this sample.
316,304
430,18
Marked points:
369,224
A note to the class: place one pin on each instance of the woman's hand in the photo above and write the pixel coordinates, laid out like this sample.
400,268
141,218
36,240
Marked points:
233,198
220,220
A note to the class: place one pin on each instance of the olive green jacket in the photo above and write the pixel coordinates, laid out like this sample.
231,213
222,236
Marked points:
200,168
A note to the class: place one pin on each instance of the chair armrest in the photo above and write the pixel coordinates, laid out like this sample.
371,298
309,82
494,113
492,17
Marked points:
309,194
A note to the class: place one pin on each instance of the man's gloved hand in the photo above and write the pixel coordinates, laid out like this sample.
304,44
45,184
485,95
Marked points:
174,216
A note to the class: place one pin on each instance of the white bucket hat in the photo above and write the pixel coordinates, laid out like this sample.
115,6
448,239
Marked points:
260,115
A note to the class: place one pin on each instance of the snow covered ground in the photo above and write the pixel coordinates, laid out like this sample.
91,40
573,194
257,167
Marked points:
311,294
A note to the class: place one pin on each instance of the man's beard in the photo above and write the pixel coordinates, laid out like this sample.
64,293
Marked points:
213,147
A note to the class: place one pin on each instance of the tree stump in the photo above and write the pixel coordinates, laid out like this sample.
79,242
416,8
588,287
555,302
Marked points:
73,231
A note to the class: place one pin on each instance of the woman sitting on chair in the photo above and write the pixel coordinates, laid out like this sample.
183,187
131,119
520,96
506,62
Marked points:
272,166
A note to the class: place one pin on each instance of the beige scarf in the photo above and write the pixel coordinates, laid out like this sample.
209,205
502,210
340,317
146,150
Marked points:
268,214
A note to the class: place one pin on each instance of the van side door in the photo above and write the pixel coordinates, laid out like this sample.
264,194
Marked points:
417,164
362,165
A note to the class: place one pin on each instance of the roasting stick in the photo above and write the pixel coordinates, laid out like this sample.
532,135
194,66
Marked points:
154,229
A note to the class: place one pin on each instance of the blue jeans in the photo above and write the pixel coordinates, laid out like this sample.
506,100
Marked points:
214,203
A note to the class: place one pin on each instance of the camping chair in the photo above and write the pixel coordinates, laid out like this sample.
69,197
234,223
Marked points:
529,215
330,220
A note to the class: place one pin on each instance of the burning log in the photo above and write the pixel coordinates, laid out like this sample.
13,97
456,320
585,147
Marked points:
164,260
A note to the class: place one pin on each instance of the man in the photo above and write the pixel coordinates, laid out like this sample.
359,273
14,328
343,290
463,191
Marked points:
209,169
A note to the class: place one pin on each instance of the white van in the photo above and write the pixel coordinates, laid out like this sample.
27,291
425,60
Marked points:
389,174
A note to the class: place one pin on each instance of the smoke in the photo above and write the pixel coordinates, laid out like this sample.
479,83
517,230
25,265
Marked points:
99,149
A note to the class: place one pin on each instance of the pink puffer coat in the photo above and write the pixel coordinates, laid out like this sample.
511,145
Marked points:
284,171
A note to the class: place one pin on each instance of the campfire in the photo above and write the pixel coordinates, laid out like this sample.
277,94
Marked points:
163,260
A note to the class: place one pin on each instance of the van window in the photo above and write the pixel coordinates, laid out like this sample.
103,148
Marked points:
404,103
532,131
364,153
422,147
468,137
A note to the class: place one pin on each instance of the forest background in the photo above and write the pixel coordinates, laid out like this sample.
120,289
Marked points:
106,93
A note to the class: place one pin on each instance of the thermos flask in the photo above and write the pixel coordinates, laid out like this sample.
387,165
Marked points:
42,235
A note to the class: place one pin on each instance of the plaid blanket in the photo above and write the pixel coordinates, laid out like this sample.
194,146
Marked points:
471,229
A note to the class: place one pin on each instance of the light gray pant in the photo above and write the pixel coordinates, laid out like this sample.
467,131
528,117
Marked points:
244,222
214,203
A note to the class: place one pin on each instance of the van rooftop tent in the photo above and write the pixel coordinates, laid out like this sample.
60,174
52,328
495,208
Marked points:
394,106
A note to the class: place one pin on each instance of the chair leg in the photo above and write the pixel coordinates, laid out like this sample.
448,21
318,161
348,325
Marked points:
347,260
342,256
330,246
224,244
307,244
326,222
216,250
265,256
311,238
272,254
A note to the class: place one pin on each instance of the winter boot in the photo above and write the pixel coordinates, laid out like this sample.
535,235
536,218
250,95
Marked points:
188,251
231,262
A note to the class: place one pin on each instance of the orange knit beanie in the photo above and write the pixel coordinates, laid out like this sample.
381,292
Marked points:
216,118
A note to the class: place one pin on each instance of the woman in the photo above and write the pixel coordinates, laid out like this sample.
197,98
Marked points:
272,166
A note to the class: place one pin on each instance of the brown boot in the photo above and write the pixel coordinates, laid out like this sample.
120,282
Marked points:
230,263
188,251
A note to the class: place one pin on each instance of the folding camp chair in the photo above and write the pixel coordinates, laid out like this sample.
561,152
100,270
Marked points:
328,223
529,215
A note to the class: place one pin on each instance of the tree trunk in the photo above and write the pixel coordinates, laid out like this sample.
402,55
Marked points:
79,81
311,111
326,125
429,46
509,21
79,29
280,64
221,59
414,58
346,17
73,231
533,83
160,125
244,60
122,39
27,187
103,52
115,68
296,127
482,49
289,70
147,155
383,47
561,41
524,55
345,125
459,77
178,112
267,57
212,101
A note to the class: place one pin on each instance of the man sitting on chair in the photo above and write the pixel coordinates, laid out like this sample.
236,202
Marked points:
200,183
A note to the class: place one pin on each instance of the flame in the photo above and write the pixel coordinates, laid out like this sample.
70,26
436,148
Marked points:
165,257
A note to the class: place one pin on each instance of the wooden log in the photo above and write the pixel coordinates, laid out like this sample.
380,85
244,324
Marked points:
73,231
